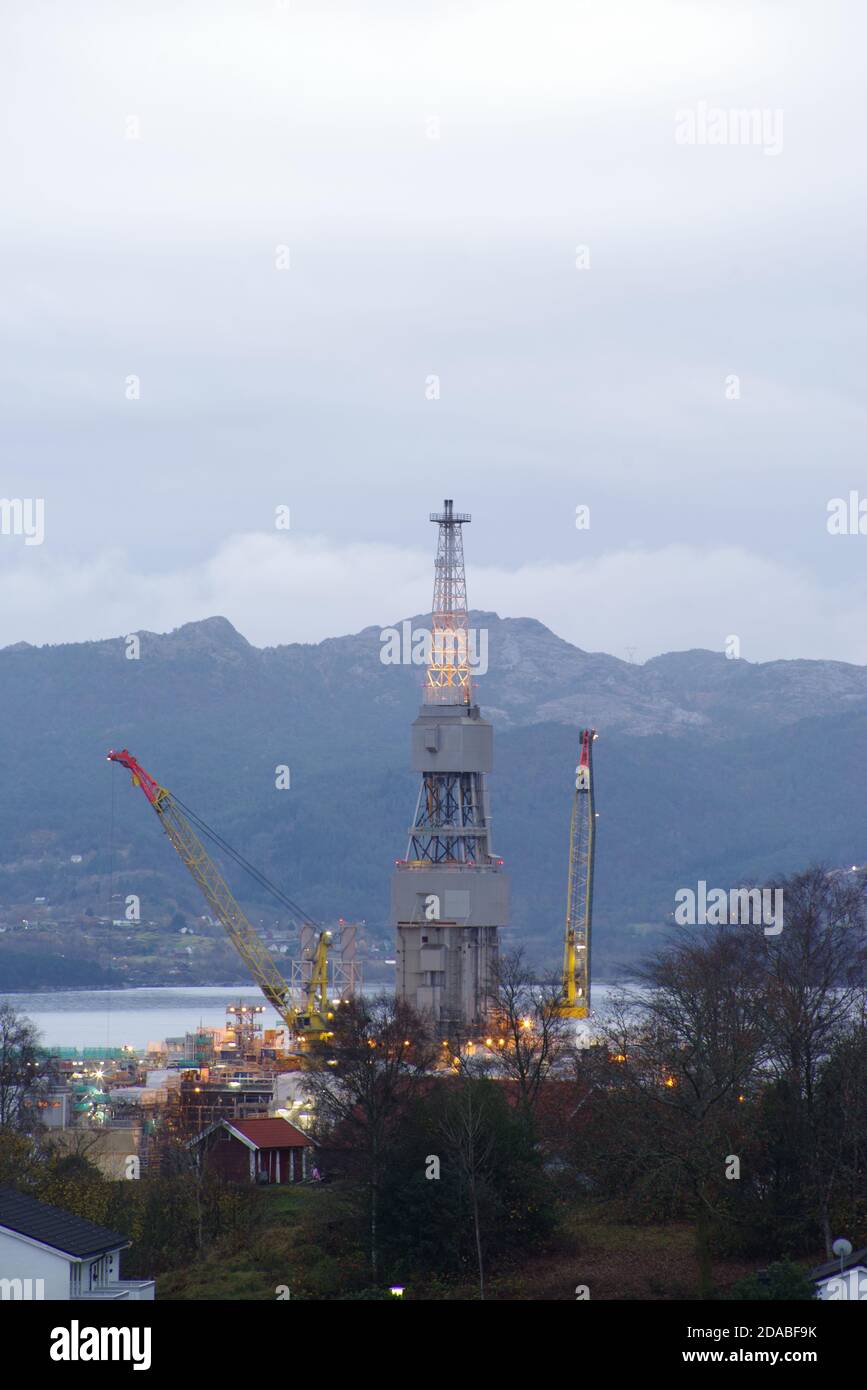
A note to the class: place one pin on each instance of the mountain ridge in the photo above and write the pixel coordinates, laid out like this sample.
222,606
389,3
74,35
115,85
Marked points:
672,692
705,769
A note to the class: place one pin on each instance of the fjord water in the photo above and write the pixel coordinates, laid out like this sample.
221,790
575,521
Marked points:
136,1017
110,1018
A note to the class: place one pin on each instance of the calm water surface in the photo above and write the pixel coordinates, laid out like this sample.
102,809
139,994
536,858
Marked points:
110,1018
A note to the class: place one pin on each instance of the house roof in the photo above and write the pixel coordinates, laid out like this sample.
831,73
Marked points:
831,1267
270,1134
55,1227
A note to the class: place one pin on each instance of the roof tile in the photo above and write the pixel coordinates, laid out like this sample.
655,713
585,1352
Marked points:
272,1133
53,1226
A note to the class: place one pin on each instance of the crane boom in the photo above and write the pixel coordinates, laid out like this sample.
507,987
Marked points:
575,999
311,1022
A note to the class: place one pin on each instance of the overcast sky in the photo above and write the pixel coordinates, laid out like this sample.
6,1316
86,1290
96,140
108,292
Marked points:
429,171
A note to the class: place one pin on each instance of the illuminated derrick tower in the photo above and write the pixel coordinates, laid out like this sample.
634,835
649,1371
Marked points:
451,894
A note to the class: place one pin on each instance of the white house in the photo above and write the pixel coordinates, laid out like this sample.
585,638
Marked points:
843,1280
46,1252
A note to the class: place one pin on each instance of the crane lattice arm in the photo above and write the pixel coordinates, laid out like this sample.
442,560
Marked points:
312,1022
575,1002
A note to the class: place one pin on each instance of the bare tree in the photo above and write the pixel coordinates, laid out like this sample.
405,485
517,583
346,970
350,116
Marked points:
70,1153
685,1050
381,1055
814,976
469,1137
23,1073
528,1036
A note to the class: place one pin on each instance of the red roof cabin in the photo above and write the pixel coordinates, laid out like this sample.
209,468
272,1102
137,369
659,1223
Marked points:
264,1150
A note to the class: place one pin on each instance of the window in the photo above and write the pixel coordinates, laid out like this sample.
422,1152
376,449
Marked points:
75,1279
100,1272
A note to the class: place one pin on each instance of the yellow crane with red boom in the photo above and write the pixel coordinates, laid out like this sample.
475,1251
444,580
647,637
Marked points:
311,1020
575,995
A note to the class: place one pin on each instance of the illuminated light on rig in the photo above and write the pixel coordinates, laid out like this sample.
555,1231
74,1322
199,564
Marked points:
396,1290
670,1081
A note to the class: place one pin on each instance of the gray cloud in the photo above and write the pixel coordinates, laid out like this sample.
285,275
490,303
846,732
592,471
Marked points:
305,126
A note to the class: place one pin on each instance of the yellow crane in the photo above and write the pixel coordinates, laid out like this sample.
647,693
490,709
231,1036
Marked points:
575,997
310,1021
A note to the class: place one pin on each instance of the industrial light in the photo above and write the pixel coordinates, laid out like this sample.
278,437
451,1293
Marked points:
396,1290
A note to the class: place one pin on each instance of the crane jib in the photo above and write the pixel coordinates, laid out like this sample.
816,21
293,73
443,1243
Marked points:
313,1020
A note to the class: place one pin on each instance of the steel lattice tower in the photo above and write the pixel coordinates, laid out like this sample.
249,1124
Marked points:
450,894
575,999
448,675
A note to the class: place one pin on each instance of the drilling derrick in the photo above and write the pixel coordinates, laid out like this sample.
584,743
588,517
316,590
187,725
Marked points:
450,893
448,679
575,998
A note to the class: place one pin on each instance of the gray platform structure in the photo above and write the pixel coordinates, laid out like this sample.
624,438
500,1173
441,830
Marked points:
450,895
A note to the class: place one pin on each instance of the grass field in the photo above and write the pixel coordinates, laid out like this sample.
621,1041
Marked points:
614,1259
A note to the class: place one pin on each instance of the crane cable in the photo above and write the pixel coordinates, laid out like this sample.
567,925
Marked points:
245,864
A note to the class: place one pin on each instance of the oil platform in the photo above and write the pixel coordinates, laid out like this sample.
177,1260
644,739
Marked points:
450,895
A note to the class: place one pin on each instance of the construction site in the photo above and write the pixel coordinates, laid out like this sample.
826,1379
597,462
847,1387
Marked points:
472,1127
449,908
